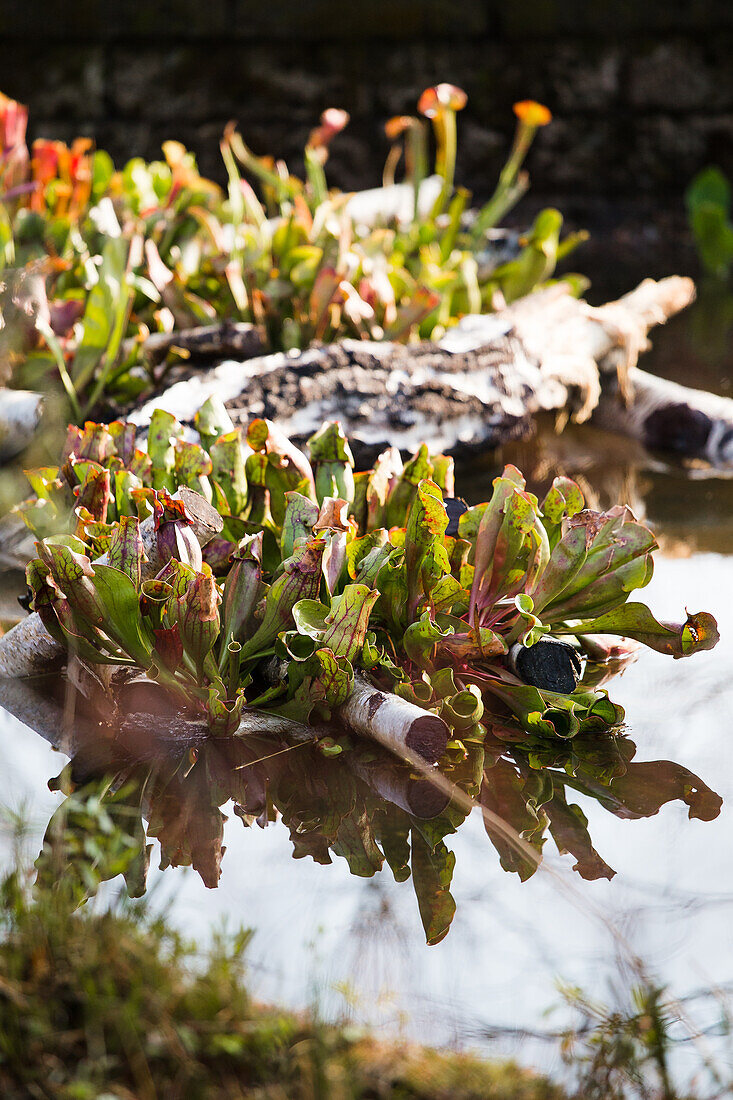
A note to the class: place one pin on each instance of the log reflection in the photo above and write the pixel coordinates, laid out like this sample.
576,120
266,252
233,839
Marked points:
160,777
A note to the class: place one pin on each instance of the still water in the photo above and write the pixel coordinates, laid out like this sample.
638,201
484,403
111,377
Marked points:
356,946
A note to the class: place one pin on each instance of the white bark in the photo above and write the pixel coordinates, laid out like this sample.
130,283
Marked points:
666,415
59,724
572,341
41,712
254,722
478,386
400,726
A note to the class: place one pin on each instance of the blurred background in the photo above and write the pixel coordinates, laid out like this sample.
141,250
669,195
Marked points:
642,94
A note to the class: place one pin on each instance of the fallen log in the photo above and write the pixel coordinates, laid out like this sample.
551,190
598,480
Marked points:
479,387
666,416
16,542
405,729
28,649
224,340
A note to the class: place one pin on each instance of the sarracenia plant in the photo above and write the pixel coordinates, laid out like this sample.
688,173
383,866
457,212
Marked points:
100,260
339,577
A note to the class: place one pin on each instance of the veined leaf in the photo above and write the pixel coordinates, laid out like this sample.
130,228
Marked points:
432,872
426,557
126,551
346,631
635,620
121,607
300,580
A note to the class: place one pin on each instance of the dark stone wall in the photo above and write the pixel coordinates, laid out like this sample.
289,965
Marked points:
642,92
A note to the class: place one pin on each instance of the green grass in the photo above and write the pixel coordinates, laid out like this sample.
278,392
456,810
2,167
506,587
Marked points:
116,1004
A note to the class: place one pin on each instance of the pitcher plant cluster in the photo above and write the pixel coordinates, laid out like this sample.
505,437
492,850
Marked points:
331,570
96,259
322,577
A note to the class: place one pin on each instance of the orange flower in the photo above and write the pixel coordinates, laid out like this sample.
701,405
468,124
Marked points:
13,121
440,97
397,125
45,160
69,169
532,113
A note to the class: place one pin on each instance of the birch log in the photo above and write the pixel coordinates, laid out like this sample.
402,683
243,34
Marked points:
664,415
28,649
400,726
477,388
37,708
228,338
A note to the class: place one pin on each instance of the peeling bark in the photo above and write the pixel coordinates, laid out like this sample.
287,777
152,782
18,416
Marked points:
227,339
479,387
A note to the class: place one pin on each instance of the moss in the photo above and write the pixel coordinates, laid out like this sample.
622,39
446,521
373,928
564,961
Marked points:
118,1003
409,1073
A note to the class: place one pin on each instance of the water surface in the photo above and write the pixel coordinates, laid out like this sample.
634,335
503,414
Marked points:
357,945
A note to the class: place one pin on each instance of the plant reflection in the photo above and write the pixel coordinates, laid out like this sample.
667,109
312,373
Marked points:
135,781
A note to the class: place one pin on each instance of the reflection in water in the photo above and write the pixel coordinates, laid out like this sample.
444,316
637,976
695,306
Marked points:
689,508
127,785
671,899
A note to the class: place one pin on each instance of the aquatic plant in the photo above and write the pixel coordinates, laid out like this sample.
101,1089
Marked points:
327,605
108,269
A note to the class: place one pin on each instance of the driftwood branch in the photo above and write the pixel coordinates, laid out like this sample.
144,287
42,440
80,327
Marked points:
664,415
479,387
40,711
28,649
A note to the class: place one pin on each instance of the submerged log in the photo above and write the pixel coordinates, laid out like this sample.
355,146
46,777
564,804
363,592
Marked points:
28,649
479,387
416,794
